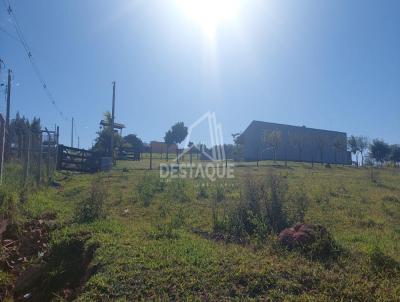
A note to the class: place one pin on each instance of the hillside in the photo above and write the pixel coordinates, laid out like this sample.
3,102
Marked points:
156,241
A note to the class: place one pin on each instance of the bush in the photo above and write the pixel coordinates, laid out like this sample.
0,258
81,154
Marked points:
260,211
91,208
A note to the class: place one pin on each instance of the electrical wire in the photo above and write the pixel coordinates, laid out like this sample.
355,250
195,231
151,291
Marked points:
28,51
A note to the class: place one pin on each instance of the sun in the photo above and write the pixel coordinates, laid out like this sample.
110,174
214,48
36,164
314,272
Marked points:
210,14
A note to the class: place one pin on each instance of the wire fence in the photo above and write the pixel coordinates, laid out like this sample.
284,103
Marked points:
28,155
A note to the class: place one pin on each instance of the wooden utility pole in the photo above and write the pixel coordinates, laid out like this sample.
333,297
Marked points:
8,105
3,139
58,133
8,99
72,133
112,124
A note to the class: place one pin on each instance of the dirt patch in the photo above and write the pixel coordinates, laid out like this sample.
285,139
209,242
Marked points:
21,244
313,240
62,273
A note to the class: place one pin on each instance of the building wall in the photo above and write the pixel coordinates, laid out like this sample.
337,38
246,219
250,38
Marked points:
160,147
297,144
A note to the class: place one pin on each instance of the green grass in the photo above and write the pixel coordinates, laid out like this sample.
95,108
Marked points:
150,252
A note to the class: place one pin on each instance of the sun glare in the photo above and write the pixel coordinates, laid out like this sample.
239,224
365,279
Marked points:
209,14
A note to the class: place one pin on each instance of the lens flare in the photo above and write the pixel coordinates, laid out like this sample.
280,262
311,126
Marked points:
209,14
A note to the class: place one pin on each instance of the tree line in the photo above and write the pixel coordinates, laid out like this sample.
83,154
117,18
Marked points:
377,152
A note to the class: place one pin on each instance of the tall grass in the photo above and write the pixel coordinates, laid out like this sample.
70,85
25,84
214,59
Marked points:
266,207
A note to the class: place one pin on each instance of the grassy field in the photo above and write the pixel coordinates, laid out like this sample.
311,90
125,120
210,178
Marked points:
155,240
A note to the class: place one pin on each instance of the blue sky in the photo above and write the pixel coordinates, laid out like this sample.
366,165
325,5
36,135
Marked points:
324,64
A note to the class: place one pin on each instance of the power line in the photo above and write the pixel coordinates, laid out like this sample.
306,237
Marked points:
11,36
35,67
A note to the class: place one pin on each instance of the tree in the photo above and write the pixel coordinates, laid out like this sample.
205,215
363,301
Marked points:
379,150
236,138
362,143
169,140
395,154
273,139
136,144
19,130
237,152
352,143
102,143
178,134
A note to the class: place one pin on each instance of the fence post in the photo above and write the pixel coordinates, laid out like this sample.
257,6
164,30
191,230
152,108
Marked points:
2,151
151,158
40,157
48,156
27,158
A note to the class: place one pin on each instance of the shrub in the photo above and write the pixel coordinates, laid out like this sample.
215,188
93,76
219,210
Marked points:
91,208
260,211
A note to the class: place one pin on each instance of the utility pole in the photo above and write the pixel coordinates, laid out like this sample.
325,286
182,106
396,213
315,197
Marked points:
112,124
8,99
72,133
58,133
78,142
2,140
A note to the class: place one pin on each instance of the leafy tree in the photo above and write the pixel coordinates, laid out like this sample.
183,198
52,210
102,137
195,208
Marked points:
237,151
235,137
379,150
362,143
179,132
274,140
135,143
395,154
169,140
102,143
176,135
352,143
20,130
